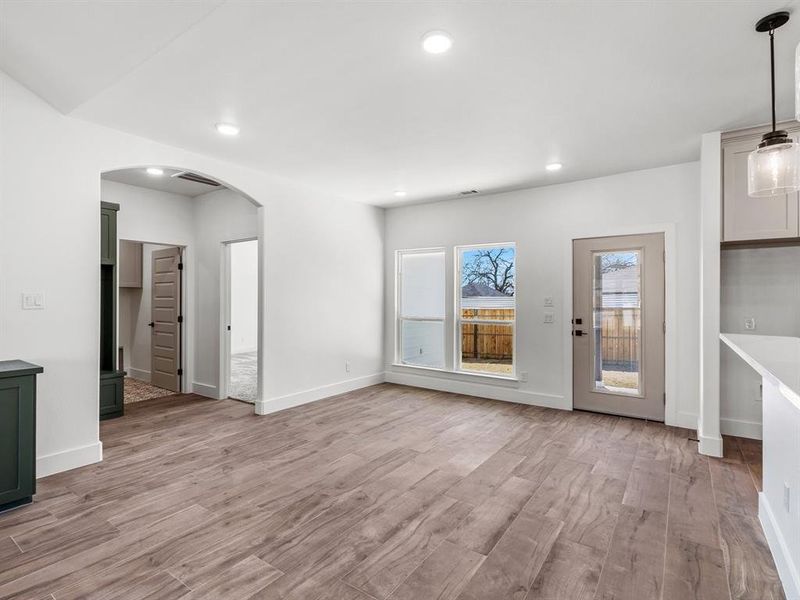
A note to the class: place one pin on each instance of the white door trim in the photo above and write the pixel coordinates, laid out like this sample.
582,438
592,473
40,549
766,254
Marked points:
671,416
225,318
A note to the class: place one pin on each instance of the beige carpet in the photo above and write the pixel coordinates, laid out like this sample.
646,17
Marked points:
137,391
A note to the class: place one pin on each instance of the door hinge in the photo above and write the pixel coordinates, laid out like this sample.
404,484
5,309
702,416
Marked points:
180,266
180,371
665,398
664,324
180,319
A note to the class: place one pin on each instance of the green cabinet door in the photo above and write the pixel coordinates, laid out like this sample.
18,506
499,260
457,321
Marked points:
108,233
111,394
17,439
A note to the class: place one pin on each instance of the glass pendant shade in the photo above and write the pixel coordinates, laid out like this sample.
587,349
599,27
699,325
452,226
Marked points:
797,83
774,169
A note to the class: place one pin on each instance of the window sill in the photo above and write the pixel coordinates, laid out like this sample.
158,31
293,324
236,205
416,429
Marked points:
460,374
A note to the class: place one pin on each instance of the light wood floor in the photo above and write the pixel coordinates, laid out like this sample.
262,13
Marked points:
391,492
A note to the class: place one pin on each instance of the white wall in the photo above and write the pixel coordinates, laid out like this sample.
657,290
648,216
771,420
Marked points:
220,216
543,222
764,284
244,297
165,219
147,215
49,242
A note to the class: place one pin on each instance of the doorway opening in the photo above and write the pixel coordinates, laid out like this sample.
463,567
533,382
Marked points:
619,325
151,319
161,319
240,348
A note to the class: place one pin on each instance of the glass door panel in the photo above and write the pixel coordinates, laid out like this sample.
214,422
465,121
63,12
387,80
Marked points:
617,322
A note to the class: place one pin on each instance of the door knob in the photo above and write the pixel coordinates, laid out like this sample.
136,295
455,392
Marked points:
151,324
578,332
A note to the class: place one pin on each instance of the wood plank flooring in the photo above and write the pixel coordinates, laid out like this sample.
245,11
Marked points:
395,493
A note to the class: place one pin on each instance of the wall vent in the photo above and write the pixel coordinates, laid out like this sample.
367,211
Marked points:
188,176
467,192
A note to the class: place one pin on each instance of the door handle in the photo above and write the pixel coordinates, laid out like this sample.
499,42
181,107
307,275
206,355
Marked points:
578,332
151,324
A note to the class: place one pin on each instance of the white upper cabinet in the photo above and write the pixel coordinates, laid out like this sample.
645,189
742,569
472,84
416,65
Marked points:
746,218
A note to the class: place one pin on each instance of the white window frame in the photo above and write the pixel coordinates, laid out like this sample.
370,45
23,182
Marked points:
458,320
399,318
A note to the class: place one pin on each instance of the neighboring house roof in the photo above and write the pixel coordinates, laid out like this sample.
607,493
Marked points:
621,288
622,281
479,295
473,290
488,302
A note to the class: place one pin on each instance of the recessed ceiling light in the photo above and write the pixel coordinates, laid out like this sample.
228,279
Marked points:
436,42
400,193
227,129
554,167
155,171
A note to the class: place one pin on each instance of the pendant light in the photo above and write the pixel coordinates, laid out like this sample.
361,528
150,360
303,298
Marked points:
773,168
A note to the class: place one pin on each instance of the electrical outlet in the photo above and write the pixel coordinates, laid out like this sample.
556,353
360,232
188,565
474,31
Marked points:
787,498
750,323
523,376
548,301
34,301
549,317
347,366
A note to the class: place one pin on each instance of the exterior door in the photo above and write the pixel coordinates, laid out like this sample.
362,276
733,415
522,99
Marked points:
618,325
165,341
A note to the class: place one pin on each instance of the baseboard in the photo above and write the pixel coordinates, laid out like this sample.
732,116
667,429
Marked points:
708,444
49,464
246,350
271,405
784,562
481,390
204,389
741,428
139,374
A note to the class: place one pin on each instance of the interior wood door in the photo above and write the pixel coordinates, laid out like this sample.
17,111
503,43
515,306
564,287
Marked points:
165,341
618,325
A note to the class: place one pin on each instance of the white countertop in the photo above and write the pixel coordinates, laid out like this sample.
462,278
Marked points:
776,358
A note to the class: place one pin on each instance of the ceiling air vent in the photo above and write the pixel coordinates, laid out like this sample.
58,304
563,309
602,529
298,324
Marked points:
467,192
196,178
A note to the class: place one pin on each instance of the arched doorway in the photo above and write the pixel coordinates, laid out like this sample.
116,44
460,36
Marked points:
166,211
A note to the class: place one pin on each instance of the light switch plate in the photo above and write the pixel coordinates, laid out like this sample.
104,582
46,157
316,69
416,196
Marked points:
548,301
32,301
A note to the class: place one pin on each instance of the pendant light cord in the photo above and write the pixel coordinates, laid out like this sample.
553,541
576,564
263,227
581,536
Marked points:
772,72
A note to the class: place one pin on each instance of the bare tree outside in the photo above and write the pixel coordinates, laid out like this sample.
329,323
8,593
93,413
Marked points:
616,261
493,267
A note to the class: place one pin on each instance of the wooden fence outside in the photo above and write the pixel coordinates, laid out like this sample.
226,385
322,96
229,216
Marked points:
487,342
618,337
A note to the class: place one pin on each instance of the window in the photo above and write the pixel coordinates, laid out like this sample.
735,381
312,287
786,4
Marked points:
486,313
421,284
617,321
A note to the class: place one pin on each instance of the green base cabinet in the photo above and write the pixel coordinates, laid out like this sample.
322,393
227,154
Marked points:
17,432
111,394
111,379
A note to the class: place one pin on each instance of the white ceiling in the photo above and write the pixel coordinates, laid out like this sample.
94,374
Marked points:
163,183
339,96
